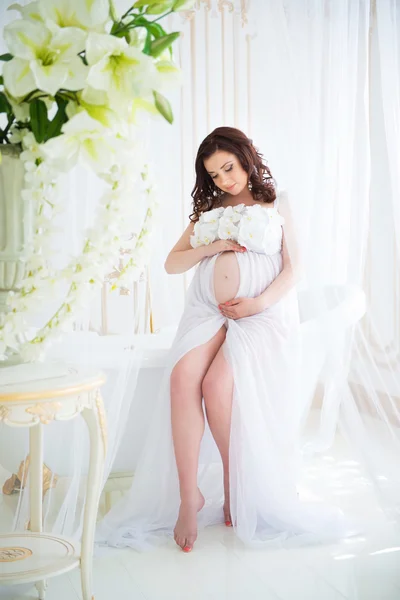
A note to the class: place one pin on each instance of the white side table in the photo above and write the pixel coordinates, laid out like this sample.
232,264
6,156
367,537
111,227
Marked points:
35,556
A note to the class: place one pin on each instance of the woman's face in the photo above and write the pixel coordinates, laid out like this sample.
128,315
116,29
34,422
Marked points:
226,172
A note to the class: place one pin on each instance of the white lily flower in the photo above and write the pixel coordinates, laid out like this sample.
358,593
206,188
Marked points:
30,11
137,37
142,104
122,71
87,15
169,75
84,139
30,144
95,103
15,135
42,59
20,109
18,79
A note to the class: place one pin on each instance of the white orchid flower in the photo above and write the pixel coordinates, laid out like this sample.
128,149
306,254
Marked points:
9,331
204,234
42,59
227,230
211,216
86,14
233,213
122,71
251,233
84,139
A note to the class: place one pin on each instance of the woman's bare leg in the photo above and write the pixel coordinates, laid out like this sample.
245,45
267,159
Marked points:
187,420
217,391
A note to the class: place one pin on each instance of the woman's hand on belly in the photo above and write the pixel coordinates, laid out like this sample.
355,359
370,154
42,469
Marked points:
223,246
237,308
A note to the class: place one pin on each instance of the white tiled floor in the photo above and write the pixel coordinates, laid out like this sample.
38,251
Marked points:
220,568
366,567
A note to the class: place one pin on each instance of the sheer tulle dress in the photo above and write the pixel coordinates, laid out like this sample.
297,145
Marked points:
263,354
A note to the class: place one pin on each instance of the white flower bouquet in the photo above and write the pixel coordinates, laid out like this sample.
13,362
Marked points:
73,84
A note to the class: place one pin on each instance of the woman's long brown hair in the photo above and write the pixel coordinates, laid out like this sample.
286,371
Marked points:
206,195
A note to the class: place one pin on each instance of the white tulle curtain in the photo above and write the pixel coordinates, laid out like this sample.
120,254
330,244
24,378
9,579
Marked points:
327,117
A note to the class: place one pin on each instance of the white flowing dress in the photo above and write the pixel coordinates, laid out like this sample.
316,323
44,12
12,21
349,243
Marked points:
262,351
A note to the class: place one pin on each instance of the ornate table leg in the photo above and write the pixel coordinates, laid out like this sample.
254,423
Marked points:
95,420
36,487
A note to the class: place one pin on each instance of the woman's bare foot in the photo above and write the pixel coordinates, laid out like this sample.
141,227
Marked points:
185,532
227,504
227,514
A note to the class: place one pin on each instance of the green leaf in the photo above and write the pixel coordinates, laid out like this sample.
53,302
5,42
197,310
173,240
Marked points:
158,46
157,9
1,80
83,59
114,28
39,119
156,30
163,106
54,128
6,57
141,20
182,4
147,44
141,3
5,106
122,29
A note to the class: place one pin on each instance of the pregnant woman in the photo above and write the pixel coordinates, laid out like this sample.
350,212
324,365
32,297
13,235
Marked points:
232,369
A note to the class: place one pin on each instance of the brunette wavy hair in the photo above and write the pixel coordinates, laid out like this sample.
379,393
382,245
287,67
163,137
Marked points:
206,195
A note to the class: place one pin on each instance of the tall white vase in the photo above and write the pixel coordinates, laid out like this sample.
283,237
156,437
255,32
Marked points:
16,224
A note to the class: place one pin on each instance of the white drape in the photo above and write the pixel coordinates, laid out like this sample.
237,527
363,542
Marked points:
317,116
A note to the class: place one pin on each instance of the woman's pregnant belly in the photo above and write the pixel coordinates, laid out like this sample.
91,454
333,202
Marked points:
226,277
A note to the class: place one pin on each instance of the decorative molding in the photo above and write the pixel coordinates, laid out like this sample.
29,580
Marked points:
4,412
13,554
44,413
102,420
